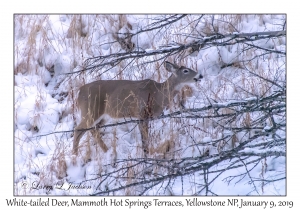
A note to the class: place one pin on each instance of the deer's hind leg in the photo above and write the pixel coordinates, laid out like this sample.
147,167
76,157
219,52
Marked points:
98,136
78,133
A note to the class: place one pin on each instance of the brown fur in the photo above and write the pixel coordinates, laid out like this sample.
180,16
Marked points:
125,98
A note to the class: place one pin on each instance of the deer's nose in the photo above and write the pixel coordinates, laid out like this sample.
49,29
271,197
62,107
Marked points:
198,78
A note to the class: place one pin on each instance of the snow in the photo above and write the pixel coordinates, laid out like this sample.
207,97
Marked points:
41,108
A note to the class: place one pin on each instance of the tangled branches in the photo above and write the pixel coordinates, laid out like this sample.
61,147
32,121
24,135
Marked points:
114,59
252,148
246,129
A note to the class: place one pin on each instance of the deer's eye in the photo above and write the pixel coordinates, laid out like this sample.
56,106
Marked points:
185,71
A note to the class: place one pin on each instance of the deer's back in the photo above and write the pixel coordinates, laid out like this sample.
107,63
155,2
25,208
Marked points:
123,98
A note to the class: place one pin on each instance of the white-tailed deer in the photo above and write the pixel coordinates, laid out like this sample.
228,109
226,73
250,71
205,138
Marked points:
125,98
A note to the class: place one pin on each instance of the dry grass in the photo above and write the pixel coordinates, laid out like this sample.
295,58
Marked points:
39,37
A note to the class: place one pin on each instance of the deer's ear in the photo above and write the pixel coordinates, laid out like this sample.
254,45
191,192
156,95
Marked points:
171,67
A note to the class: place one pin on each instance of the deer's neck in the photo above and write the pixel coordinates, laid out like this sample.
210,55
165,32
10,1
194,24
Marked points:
169,89
170,85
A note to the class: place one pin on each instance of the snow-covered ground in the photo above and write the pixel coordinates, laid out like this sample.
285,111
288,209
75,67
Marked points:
48,47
